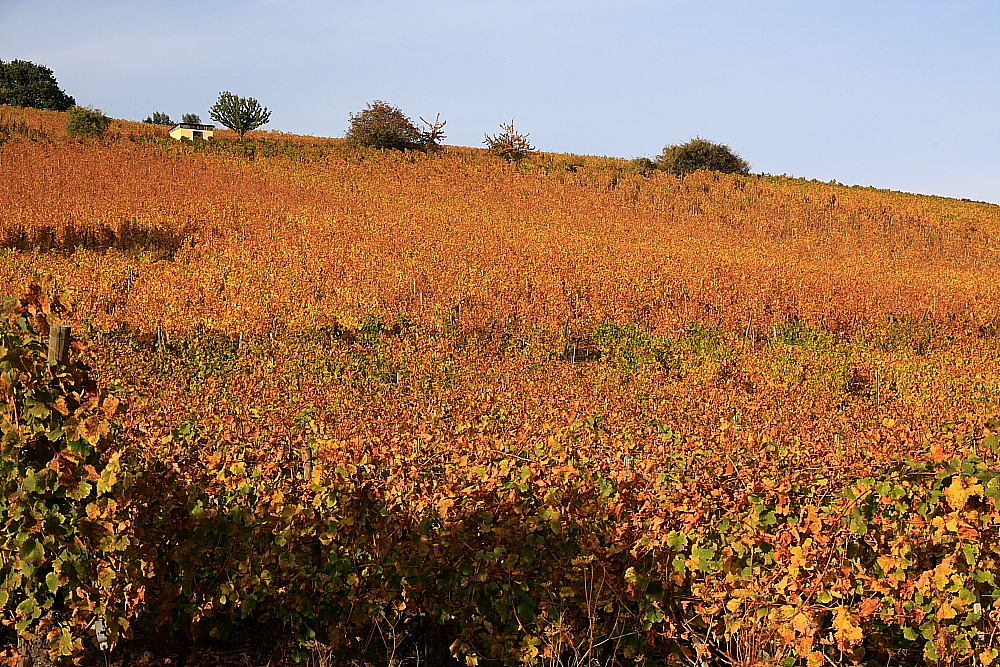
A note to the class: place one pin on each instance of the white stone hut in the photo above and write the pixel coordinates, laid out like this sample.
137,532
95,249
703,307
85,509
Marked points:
192,131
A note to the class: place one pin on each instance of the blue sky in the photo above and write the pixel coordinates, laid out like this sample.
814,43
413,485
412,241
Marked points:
895,94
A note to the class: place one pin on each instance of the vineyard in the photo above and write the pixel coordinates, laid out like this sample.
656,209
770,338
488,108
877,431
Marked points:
405,408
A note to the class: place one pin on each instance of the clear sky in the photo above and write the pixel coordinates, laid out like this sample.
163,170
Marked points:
896,94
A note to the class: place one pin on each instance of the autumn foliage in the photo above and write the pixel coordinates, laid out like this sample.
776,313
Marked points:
548,412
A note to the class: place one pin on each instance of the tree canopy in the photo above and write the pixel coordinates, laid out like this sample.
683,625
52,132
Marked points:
159,118
381,125
25,84
87,122
191,118
698,154
240,114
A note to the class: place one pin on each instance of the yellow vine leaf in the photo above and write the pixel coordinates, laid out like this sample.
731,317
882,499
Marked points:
803,623
444,505
958,492
848,634
946,612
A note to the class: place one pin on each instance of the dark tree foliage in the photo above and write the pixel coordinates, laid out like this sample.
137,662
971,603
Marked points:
381,125
159,118
644,165
87,122
240,114
191,118
701,153
510,144
25,84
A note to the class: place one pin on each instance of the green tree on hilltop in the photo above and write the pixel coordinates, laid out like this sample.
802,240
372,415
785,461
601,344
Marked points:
25,84
192,118
698,153
159,118
381,125
87,122
240,114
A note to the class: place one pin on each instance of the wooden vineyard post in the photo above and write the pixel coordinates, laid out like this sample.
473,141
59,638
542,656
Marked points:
306,454
161,338
59,335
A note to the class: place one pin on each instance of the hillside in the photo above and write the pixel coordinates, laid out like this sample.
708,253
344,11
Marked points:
515,264
451,328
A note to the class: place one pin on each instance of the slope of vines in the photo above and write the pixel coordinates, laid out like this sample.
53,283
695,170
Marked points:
576,411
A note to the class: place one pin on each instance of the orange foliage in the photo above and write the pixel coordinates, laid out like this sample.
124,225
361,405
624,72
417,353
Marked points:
428,314
538,256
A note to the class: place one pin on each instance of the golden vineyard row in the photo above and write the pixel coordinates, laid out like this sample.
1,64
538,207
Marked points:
332,233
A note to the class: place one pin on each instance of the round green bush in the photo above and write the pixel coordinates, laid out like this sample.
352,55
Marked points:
381,125
698,154
87,122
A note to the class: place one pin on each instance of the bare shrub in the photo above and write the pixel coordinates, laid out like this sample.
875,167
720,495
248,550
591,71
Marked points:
510,144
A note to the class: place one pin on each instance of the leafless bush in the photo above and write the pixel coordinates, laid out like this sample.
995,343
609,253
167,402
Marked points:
510,144
431,138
